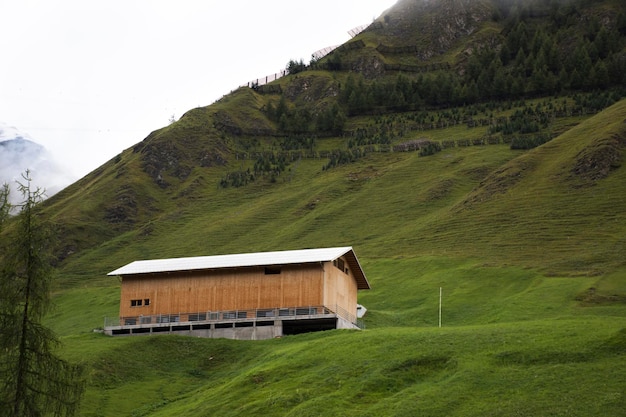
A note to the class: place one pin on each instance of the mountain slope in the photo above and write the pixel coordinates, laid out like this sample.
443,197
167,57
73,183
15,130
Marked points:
554,208
429,57
559,205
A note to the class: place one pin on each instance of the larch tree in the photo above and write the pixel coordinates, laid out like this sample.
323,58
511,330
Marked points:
5,205
35,381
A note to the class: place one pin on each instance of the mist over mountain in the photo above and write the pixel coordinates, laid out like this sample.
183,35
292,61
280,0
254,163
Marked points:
19,153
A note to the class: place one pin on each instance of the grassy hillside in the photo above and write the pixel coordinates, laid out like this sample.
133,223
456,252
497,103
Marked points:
553,208
511,201
558,204
424,70
526,331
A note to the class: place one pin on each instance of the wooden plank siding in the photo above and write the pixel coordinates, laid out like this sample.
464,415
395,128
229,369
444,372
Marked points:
340,287
245,288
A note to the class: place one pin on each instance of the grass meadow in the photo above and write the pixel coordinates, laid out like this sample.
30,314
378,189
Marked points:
512,342
529,258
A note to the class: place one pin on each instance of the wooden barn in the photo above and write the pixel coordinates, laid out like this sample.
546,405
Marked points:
240,296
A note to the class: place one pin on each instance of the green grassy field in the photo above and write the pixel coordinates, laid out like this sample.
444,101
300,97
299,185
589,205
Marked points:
513,342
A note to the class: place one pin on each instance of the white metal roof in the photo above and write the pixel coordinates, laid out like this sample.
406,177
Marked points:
246,260
232,261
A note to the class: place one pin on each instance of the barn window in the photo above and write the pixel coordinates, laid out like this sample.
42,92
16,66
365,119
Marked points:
339,264
272,271
136,303
146,301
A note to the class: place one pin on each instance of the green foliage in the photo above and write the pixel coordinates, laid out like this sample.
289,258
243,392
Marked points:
430,148
525,121
237,179
530,61
294,67
343,157
331,120
5,205
271,164
529,142
295,121
35,381
292,142
381,134
423,146
596,101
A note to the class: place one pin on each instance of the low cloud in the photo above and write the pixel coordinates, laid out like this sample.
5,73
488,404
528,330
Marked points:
19,153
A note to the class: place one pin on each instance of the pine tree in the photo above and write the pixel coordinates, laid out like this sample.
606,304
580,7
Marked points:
583,61
5,206
505,54
35,381
562,80
471,93
601,79
281,109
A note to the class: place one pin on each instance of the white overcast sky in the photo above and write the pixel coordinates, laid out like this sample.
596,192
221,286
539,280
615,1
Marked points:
89,78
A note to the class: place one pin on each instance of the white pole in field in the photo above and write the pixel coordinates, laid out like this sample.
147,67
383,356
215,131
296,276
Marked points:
440,294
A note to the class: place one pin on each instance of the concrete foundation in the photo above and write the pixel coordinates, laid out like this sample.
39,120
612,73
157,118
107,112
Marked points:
237,329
